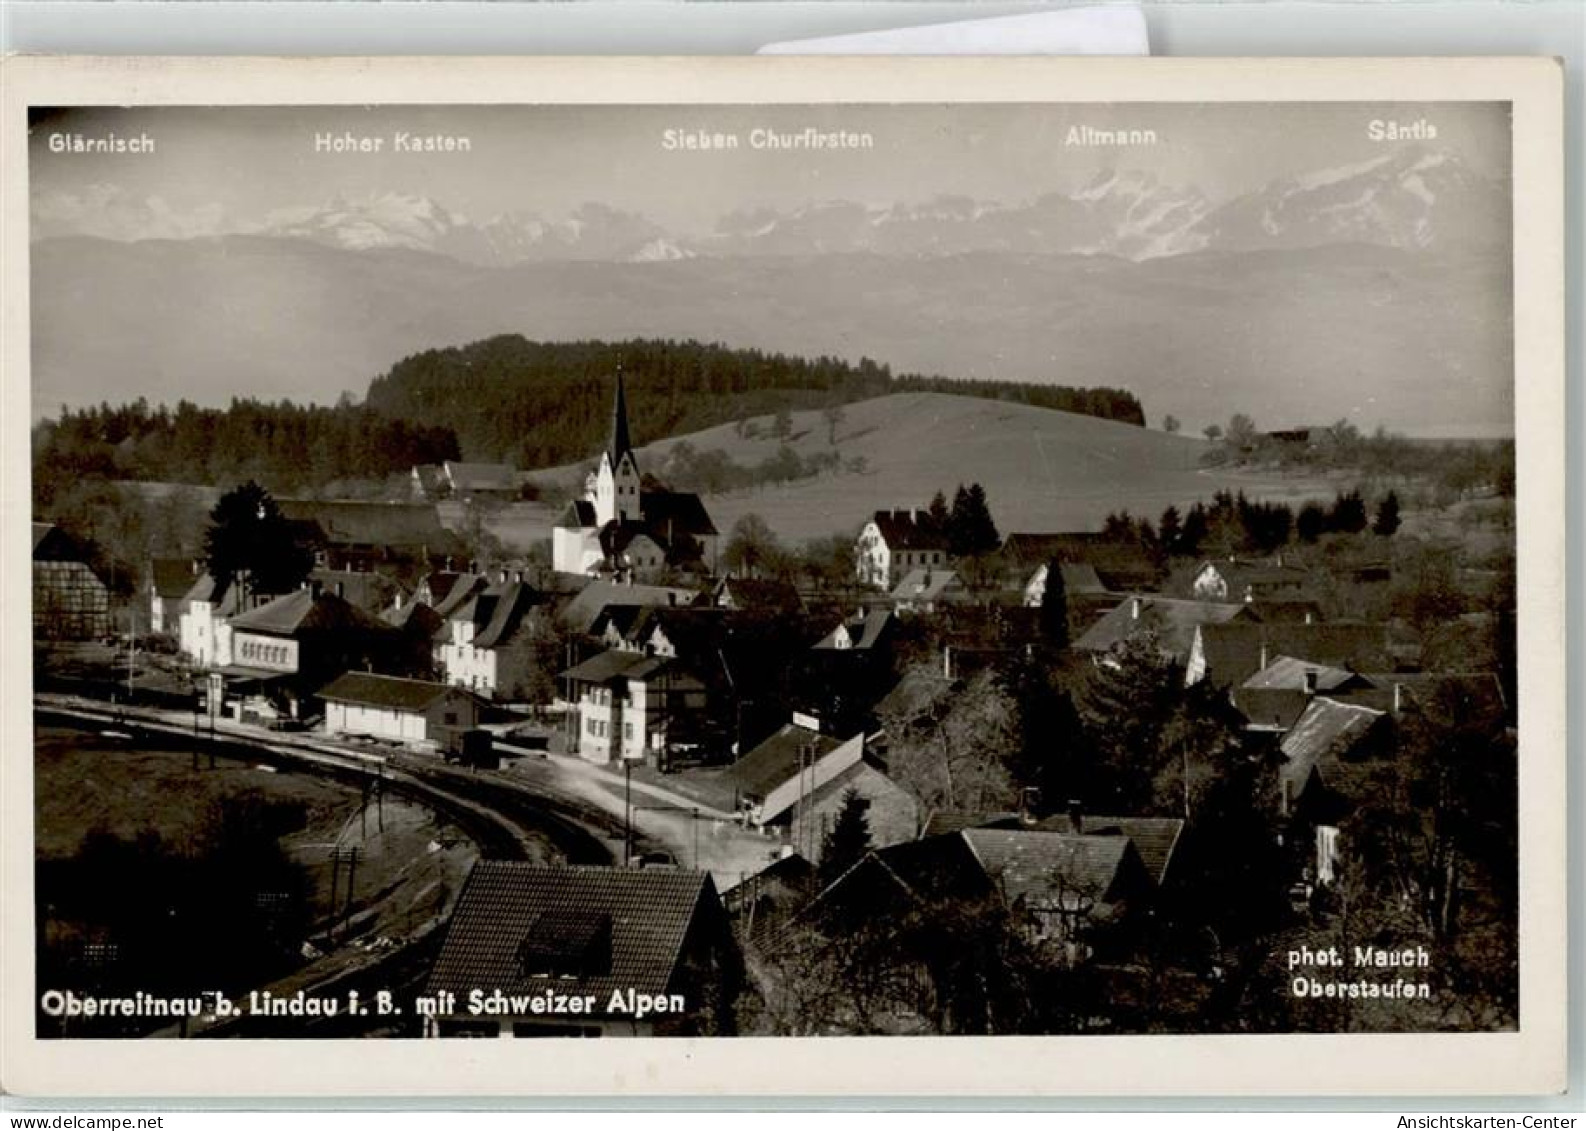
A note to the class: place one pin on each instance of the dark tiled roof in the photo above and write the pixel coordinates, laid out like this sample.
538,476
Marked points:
1284,610
926,584
460,590
370,591
1154,838
373,524
1171,619
303,611
372,690
1041,868
510,912
1462,694
500,611
579,515
777,759
1327,731
864,632
583,610
481,476
171,577
909,530
51,543
614,664
414,617
671,513
1287,673
758,593
1233,652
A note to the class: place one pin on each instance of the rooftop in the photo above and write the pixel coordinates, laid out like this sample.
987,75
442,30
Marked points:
513,916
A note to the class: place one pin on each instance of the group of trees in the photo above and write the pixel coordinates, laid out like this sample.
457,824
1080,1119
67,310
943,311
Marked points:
291,447
713,472
1233,523
1452,469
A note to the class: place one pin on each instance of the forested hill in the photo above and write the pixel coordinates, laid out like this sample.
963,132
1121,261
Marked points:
536,404
530,404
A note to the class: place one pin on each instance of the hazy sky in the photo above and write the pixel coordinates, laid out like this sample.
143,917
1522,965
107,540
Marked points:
232,166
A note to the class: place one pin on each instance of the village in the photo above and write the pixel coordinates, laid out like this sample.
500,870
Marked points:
939,778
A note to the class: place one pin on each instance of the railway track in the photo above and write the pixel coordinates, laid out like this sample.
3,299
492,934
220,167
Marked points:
521,833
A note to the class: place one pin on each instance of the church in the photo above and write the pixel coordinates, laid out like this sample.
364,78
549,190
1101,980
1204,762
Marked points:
625,527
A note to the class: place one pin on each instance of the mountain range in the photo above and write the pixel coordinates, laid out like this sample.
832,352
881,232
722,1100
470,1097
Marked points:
1407,198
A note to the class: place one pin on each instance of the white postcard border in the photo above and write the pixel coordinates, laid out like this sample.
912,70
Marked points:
1530,1061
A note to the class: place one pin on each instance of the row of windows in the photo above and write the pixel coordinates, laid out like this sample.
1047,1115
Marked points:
265,653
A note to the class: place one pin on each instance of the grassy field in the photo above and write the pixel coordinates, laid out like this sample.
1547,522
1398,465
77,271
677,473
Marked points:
1042,470
84,782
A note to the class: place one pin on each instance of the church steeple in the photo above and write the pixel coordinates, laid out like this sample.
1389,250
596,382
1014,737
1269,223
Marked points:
618,489
620,444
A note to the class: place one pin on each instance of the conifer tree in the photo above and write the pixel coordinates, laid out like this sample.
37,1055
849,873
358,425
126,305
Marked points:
849,839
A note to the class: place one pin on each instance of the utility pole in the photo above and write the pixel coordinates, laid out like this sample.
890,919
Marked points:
627,812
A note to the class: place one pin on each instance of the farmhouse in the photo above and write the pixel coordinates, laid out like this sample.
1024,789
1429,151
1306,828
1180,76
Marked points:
1237,580
562,951
69,600
626,526
894,542
396,709
454,479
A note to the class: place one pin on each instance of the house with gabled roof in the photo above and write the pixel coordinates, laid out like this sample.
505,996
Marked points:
1236,579
1156,839
558,950
626,525
1330,758
70,602
1275,697
1172,622
1074,891
926,588
895,542
631,707
758,594
494,639
394,709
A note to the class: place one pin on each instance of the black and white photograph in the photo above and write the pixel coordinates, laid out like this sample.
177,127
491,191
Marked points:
708,567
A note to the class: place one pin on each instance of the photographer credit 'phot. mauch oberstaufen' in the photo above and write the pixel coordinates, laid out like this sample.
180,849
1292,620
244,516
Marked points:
774,570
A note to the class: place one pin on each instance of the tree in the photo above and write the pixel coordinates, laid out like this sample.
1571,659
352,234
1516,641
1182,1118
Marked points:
1170,424
1348,515
782,423
1054,607
951,744
1312,522
1241,434
249,541
833,415
1387,521
1169,529
751,546
971,531
849,839
938,511
1213,432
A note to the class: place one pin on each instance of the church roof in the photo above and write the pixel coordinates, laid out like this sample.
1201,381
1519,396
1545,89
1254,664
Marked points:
620,443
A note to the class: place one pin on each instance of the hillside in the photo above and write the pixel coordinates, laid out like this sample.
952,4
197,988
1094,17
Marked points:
1411,340
1042,470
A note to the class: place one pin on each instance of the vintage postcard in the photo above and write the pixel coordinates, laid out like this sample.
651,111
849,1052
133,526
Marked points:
1000,577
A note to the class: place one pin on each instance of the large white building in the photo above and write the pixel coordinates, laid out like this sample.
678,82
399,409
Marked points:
896,542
